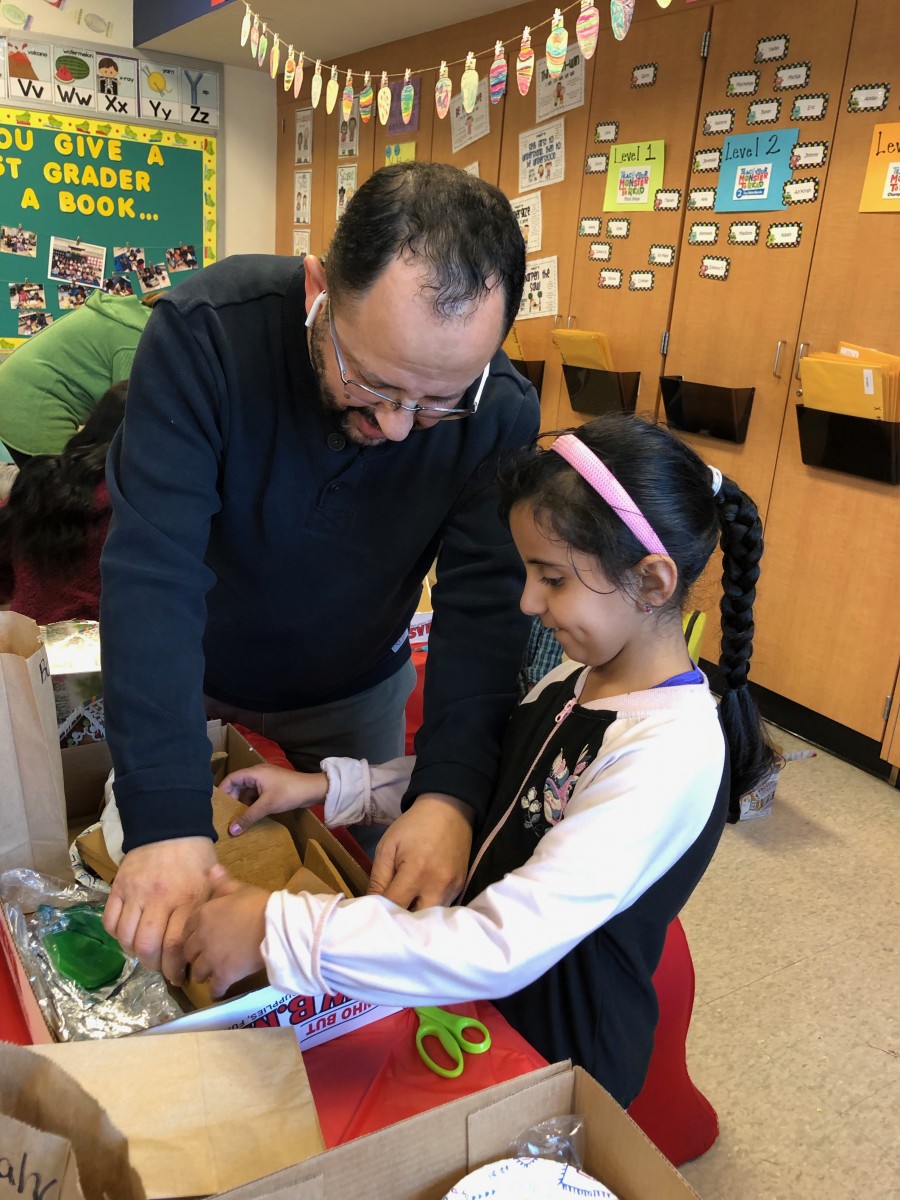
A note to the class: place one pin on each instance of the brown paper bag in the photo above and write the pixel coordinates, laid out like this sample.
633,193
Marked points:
32,801
203,1112
56,1142
263,855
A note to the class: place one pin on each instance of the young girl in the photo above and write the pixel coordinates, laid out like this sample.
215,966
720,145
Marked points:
615,781
53,526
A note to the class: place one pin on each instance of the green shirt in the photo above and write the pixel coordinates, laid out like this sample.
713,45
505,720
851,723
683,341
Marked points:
50,384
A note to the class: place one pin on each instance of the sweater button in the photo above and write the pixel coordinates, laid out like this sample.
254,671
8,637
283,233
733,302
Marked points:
336,441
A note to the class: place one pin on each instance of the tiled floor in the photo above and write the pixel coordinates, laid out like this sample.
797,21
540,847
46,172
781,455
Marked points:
795,1038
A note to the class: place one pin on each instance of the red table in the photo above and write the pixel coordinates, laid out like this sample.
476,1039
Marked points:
372,1076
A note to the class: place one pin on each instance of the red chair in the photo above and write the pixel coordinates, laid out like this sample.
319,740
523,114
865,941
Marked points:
672,1112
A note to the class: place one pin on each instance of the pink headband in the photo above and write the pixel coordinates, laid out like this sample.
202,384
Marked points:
602,480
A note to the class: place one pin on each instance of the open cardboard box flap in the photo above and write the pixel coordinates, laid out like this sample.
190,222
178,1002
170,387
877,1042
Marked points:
211,1110
422,1158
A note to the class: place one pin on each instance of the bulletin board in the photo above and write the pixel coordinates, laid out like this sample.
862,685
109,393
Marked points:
83,189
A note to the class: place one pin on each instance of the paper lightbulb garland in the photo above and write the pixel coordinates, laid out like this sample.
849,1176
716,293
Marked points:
498,74
347,97
298,76
384,99
525,62
315,88
557,44
469,84
620,14
366,97
331,91
587,27
442,91
407,98
290,66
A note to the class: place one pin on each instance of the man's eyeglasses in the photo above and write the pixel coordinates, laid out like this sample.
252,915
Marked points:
369,396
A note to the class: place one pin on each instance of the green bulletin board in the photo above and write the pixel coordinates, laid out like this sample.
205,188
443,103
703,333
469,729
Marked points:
84,188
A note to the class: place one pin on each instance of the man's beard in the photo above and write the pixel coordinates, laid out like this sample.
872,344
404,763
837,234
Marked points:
329,401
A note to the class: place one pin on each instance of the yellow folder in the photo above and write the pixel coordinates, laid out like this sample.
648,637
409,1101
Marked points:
513,346
843,385
849,350
583,348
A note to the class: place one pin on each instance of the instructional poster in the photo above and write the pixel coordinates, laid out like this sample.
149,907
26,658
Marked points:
881,189
540,292
557,94
466,128
755,168
635,173
303,131
528,212
348,133
346,186
542,155
302,193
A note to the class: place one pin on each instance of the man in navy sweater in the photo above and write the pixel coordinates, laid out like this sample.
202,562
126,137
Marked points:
300,441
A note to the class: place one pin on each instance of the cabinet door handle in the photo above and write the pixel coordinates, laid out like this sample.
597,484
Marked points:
801,350
569,321
557,317
778,349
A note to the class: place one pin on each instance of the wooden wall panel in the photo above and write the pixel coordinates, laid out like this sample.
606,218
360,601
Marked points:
635,321
560,202
287,106
828,635
727,332
452,45
829,620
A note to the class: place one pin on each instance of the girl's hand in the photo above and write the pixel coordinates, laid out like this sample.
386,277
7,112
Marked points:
224,936
266,790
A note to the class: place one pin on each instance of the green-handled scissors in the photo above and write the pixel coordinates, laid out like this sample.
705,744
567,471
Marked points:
450,1030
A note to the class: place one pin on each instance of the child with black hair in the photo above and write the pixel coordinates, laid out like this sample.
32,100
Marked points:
617,775
53,526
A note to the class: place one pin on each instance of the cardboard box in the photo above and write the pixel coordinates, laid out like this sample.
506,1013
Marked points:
422,1158
314,1019
192,1129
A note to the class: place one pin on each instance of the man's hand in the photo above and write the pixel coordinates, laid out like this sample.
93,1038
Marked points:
266,789
156,889
423,858
225,935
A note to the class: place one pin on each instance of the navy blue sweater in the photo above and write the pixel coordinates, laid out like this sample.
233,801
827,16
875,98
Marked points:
256,554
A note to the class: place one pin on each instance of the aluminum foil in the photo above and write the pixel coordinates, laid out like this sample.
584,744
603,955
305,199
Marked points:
138,999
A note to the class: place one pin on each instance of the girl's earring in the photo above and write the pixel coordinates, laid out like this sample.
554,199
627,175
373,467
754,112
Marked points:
648,608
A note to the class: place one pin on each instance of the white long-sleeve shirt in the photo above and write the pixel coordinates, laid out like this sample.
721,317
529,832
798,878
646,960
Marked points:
638,805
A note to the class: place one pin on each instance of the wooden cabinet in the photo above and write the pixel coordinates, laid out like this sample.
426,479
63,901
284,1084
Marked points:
740,332
728,332
828,633
668,49
559,201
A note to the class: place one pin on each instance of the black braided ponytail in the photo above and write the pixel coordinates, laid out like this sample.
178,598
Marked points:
741,541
